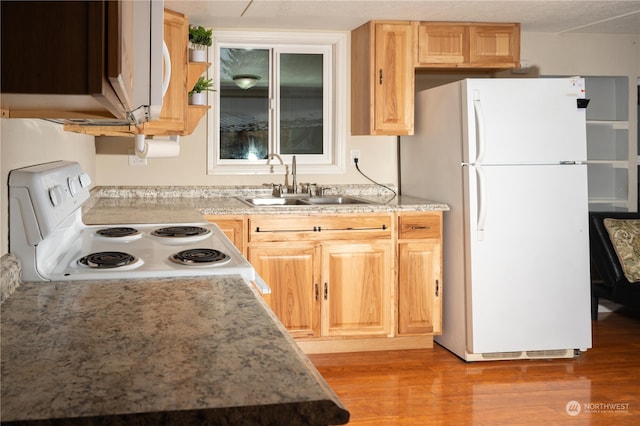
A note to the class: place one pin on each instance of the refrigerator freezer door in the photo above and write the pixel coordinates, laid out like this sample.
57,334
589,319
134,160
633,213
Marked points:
528,272
524,121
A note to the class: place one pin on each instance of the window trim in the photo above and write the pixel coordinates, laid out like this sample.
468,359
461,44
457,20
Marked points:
338,43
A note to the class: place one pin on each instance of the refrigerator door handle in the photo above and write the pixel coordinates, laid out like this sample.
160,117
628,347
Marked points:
482,201
480,126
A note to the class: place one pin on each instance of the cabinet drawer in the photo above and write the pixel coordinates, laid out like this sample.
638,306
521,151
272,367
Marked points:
419,227
319,228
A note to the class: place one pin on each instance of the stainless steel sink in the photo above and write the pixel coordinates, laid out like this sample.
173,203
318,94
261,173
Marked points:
274,201
336,200
303,201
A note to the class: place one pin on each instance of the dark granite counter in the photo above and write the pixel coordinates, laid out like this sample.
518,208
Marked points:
161,351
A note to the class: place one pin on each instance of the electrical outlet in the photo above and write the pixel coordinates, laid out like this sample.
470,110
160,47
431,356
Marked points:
134,160
355,153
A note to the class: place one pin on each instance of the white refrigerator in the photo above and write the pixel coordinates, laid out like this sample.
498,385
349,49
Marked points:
508,157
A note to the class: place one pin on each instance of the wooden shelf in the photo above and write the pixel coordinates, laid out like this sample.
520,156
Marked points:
194,71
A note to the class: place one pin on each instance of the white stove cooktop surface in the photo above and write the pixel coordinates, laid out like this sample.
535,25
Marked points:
152,254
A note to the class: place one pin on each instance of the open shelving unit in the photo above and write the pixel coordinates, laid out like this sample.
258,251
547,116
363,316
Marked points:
611,159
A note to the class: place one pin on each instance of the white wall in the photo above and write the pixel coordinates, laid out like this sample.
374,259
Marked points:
378,160
26,142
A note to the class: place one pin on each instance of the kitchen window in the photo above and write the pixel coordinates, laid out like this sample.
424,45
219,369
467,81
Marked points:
280,93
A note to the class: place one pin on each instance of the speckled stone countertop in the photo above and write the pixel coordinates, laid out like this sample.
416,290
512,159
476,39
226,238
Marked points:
109,205
164,351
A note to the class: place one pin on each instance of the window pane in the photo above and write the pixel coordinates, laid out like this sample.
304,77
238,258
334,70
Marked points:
244,113
301,93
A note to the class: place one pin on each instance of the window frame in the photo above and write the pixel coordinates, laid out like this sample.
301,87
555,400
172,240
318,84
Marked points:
335,98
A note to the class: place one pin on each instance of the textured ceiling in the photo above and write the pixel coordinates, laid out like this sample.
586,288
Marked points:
566,16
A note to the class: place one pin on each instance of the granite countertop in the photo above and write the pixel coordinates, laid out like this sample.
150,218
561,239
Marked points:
159,351
110,205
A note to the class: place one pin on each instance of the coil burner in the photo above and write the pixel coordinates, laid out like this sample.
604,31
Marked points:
180,231
200,257
118,232
108,260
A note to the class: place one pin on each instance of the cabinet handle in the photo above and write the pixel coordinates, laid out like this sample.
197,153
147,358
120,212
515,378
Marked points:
420,227
317,291
437,288
380,76
326,291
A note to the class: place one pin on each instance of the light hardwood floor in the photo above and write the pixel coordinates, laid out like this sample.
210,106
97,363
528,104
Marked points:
434,387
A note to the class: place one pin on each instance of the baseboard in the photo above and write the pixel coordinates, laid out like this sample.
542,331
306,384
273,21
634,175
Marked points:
317,346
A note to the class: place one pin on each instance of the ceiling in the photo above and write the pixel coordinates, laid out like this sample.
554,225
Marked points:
558,17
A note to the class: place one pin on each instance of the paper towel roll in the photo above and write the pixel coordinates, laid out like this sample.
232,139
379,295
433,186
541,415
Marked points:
154,148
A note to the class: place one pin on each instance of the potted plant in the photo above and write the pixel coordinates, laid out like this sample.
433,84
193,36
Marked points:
198,95
199,39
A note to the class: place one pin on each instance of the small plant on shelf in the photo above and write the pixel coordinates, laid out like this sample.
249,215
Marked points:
197,95
199,39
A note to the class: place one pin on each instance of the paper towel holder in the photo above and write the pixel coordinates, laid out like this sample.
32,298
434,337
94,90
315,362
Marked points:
141,142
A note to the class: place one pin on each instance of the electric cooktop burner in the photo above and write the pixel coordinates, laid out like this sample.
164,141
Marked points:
180,231
107,260
200,257
118,232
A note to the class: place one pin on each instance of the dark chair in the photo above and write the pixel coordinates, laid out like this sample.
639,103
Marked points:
609,281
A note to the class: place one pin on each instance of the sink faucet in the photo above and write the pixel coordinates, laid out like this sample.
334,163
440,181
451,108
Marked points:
278,189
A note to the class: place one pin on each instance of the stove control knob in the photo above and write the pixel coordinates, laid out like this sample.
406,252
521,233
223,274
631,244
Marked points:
74,186
57,195
85,180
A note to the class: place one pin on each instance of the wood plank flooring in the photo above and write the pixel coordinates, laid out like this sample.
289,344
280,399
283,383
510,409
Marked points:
434,387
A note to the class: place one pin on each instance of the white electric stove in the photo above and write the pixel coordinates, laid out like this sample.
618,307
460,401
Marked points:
47,234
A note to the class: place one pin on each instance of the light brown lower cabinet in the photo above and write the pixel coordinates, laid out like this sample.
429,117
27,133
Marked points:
232,227
346,282
291,271
420,273
419,288
329,277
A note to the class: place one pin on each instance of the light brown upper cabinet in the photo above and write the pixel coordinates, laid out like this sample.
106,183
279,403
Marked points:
468,45
386,54
177,117
382,78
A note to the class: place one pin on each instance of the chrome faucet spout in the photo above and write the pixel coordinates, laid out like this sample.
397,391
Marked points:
293,172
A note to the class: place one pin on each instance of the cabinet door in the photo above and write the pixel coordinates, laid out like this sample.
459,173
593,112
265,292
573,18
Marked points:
494,45
232,228
442,44
291,273
394,78
419,288
356,295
